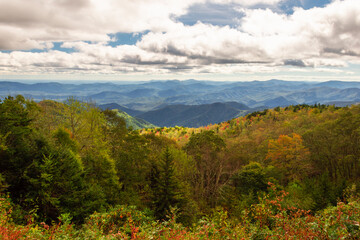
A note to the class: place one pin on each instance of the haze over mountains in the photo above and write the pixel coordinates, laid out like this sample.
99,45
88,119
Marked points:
191,103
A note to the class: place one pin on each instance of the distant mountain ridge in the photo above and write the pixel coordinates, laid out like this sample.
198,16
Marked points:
146,96
158,97
185,115
194,115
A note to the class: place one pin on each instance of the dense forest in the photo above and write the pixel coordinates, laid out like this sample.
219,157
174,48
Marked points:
69,170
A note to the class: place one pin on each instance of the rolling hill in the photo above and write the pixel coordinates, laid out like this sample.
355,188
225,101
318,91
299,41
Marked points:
194,115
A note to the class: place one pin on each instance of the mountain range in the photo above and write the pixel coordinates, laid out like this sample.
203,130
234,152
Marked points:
191,103
190,115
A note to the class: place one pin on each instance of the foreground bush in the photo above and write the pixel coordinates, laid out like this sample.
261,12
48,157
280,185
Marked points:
271,218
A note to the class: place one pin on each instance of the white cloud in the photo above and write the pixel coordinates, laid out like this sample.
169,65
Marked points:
308,32
318,38
88,20
328,36
25,24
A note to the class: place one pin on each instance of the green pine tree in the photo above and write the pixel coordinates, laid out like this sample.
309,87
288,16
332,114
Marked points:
164,186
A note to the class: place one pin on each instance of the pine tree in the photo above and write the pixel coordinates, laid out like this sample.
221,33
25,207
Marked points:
164,186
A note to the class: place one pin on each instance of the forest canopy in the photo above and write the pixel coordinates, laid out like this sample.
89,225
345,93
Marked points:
72,159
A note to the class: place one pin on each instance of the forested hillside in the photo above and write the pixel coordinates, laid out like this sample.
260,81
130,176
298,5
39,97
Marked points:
69,170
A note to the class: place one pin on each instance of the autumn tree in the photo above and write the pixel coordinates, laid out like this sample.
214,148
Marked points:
290,156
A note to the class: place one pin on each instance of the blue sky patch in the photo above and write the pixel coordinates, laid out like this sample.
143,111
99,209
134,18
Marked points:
125,38
57,46
288,6
220,15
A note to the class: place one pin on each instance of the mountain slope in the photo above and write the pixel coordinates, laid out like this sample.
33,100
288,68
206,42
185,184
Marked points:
193,115
134,122
112,106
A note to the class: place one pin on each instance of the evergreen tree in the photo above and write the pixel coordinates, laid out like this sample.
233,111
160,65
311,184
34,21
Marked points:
164,186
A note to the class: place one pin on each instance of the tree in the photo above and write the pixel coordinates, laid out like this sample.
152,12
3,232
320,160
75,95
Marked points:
250,179
290,156
114,129
205,148
74,111
164,186
55,183
335,145
19,143
100,171
132,165
245,187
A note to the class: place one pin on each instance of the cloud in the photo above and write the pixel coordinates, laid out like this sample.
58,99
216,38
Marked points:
304,39
294,62
264,41
309,32
68,20
27,24
205,44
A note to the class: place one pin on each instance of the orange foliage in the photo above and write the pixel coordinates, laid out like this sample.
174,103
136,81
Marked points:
289,154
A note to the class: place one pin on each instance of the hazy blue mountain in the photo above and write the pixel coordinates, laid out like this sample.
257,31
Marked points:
193,115
152,95
142,92
348,94
324,94
108,97
339,84
277,102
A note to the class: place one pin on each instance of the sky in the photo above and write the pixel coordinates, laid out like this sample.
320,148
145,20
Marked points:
135,40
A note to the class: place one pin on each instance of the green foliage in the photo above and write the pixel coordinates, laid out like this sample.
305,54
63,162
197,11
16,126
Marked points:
132,166
205,148
164,186
300,196
100,171
334,147
63,138
55,183
245,187
133,122
250,179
